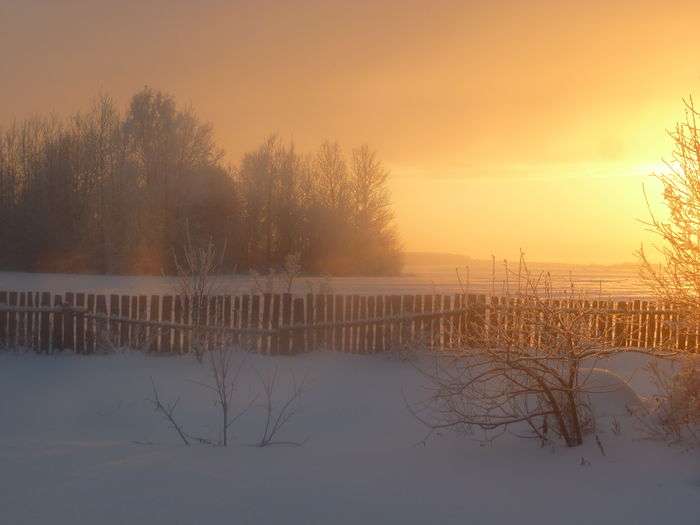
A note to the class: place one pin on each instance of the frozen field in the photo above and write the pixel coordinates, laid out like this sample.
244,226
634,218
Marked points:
80,443
614,281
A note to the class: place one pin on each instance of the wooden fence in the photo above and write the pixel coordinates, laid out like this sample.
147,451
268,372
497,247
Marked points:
286,324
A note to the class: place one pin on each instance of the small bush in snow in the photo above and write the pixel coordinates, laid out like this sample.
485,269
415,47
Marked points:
675,414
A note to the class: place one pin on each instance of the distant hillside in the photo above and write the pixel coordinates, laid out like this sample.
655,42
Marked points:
434,258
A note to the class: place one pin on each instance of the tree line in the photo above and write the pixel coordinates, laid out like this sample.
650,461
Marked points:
112,191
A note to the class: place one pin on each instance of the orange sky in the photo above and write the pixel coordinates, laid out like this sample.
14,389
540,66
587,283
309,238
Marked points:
506,124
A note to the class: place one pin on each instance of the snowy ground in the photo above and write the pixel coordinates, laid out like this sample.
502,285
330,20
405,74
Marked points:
79,443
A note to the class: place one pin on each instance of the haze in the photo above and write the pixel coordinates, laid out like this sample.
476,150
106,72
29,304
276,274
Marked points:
505,124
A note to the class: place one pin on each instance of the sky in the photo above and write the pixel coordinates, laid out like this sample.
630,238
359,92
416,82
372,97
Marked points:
506,124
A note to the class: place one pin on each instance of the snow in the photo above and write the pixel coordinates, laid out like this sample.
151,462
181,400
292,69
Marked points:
80,443
610,395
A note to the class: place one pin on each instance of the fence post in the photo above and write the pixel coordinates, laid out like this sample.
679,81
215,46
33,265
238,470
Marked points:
371,328
135,328
153,331
3,319
620,325
113,325
80,324
635,340
459,301
166,344
22,321
310,333
255,321
354,327
177,317
674,312
31,333
405,325
275,324
142,333
213,338
362,328
347,316
12,320
320,310
125,328
57,327
68,322
689,321
328,317
436,336
334,333
286,322
266,318
427,324
650,336
379,340
90,324
45,343
447,323
297,321
236,319
245,320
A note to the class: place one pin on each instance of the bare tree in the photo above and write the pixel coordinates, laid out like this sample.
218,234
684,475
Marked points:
677,279
527,371
107,190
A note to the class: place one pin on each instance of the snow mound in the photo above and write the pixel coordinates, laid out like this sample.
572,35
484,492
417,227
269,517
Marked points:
610,394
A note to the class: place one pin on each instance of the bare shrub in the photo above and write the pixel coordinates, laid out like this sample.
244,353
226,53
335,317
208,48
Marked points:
197,284
225,365
167,410
675,414
528,373
279,413
197,281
